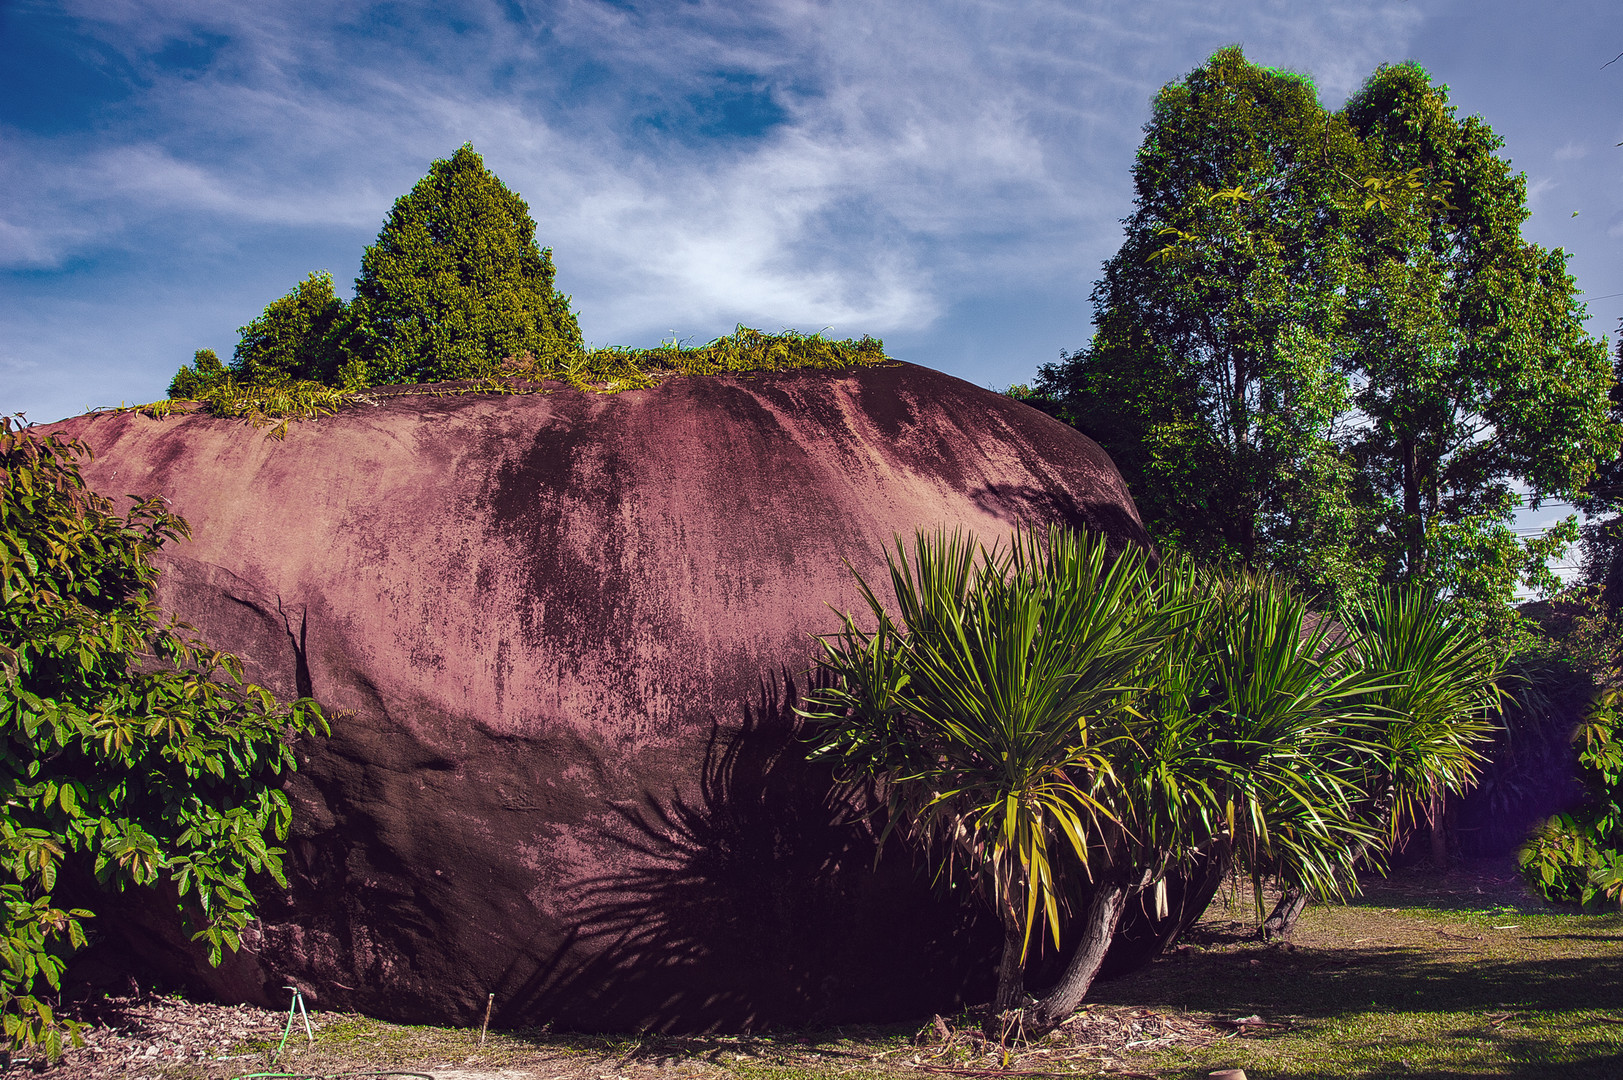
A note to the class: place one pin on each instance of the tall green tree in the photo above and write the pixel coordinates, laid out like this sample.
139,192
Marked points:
1324,348
1213,379
456,281
1473,372
131,753
1602,532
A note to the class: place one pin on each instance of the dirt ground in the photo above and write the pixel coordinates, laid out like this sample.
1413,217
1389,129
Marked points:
142,1035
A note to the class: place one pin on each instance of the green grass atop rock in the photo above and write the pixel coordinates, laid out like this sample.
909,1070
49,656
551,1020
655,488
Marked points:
607,371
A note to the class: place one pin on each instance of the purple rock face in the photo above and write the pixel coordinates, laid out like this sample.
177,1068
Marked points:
560,637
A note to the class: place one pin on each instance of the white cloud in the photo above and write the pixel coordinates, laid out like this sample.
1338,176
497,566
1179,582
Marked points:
930,151
22,246
1538,187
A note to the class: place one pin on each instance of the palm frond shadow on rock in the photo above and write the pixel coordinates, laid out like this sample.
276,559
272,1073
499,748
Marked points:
734,891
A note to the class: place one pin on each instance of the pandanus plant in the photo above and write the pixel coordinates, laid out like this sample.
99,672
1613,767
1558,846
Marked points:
1432,692
1064,723
988,708
1241,730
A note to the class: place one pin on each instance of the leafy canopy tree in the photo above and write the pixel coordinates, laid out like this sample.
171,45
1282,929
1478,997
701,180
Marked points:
131,754
1212,380
1602,543
1324,348
456,281
1472,367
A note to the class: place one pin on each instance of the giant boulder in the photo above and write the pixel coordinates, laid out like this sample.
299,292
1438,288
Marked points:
560,636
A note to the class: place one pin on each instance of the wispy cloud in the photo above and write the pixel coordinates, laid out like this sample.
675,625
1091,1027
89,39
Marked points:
783,162
916,122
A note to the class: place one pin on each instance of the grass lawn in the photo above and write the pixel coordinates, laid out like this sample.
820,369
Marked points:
1424,976
1412,980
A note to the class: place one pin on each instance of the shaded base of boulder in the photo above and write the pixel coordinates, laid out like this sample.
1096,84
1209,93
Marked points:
754,902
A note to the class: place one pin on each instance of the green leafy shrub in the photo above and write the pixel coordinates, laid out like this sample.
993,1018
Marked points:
131,753
743,351
299,336
1577,857
203,374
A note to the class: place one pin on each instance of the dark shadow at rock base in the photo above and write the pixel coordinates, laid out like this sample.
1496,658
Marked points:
754,902
757,903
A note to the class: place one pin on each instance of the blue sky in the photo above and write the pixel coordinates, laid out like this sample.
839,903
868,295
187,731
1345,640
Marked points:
948,176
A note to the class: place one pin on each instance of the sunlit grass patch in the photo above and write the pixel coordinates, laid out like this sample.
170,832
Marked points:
1389,987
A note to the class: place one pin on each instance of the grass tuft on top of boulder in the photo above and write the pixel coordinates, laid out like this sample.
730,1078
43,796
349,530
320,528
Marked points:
746,350
604,370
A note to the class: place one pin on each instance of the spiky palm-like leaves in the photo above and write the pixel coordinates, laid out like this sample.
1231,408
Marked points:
1060,722
1237,738
990,708
1433,708
1246,722
1432,685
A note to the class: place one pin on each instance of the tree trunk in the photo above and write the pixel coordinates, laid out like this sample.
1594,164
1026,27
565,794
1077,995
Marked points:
1281,922
1439,830
1414,539
1196,899
1140,936
1098,928
1011,971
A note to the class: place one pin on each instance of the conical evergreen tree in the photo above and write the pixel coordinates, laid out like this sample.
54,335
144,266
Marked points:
456,281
